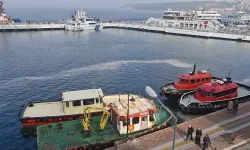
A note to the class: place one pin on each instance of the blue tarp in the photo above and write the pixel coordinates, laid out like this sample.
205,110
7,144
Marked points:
16,20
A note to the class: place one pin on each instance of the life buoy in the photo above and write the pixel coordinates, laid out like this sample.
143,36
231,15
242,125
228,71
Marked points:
122,118
131,127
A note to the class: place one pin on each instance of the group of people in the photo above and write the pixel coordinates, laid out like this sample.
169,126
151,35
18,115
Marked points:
232,106
206,139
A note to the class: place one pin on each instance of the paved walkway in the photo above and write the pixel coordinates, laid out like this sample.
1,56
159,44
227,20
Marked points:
219,125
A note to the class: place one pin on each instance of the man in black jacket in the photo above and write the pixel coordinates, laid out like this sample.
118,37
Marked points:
190,132
206,141
198,136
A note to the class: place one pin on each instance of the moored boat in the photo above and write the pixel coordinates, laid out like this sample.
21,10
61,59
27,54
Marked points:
187,82
123,115
214,96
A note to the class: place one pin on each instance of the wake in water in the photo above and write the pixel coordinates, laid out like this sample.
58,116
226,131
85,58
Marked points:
99,67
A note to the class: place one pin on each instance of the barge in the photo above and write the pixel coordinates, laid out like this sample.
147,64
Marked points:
124,116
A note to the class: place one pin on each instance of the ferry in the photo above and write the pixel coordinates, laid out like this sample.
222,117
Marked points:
123,116
3,17
80,21
195,20
239,18
214,96
185,83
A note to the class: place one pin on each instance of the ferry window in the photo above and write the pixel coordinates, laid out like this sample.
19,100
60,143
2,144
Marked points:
135,120
67,104
77,103
144,118
192,81
151,117
88,102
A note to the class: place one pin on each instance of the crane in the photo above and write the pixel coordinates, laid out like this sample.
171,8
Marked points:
86,122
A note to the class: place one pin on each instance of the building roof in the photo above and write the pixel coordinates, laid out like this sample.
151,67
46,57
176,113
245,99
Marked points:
82,94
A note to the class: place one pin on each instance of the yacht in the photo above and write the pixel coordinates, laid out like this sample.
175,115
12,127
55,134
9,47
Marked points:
3,17
80,21
195,20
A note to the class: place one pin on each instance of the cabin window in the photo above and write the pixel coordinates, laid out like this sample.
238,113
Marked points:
88,101
144,118
100,99
124,123
192,81
67,104
198,80
207,79
135,120
77,103
151,117
97,100
202,80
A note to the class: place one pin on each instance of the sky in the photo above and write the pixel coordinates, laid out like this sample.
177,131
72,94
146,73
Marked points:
75,3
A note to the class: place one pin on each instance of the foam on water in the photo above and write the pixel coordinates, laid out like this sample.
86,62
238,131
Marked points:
97,67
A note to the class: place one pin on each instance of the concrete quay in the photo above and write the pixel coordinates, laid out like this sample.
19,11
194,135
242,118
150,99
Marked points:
222,126
183,32
30,27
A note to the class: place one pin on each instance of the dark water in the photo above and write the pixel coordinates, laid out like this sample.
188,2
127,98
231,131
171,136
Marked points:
38,65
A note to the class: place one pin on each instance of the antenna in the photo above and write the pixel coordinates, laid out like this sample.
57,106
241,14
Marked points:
194,69
229,73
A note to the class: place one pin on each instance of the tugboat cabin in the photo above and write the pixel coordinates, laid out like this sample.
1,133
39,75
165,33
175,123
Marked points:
132,115
218,90
192,80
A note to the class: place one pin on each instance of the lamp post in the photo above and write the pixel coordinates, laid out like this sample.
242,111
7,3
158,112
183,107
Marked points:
152,94
128,116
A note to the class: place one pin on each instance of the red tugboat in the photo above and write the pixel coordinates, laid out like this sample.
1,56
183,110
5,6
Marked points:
214,96
187,82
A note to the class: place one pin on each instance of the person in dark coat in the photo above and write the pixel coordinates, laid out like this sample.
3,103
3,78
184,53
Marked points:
198,136
235,107
206,141
190,132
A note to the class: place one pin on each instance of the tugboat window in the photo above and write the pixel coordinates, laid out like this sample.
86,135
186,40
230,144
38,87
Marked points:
202,79
151,117
88,101
198,80
144,118
192,81
207,79
135,120
77,103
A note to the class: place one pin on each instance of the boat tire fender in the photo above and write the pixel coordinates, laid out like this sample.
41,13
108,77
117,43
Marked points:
131,127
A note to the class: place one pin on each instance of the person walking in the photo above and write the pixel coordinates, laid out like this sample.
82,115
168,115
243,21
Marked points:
198,136
190,132
230,106
235,107
206,141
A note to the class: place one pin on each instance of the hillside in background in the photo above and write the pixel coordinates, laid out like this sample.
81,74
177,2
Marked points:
191,5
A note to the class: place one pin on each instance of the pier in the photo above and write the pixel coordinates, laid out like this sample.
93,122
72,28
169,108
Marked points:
226,130
31,27
229,34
